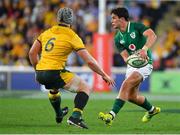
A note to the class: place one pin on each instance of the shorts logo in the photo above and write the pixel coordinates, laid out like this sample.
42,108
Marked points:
132,47
133,35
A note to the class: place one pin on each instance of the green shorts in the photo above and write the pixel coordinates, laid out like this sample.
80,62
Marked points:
54,79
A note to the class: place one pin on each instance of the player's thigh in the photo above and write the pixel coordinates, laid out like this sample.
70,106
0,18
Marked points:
134,91
129,89
74,83
146,71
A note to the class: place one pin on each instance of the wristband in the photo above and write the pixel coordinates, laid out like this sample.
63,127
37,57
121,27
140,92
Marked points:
145,48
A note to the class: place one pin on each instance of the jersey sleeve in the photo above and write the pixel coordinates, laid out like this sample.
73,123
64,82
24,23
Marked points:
77,43
119,46
40,38
141,27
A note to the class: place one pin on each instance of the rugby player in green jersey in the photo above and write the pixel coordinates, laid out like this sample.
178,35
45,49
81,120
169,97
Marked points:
132,37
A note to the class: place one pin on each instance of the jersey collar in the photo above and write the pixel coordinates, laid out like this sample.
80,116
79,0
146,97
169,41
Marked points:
63,25
127,29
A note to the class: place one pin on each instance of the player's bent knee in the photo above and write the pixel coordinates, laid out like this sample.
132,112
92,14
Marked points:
78,85
137,76
125,85
133,81
132,98
84,87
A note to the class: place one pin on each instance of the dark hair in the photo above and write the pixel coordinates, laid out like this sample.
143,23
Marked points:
121,12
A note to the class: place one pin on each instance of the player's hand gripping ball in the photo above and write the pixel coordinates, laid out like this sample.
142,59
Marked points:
136,61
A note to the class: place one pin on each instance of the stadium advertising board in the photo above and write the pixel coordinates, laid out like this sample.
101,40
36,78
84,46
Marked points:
165,82
26,81
103,54
3,81
23,81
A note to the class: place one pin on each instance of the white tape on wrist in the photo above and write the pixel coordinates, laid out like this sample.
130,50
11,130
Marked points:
145,48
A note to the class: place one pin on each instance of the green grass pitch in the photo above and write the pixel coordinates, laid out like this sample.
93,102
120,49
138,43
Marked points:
36,116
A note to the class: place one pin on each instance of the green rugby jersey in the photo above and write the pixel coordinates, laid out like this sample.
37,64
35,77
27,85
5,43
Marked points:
132,39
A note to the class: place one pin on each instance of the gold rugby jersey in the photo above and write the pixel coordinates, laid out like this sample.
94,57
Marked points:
57,43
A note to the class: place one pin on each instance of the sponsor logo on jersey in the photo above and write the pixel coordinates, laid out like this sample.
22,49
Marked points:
133,35
122,41
132,47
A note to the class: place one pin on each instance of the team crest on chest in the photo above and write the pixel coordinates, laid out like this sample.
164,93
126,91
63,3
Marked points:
132,47
121,41
133,35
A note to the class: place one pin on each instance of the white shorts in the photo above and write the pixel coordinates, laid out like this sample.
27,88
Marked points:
144,71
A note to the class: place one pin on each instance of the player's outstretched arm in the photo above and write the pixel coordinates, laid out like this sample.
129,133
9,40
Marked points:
93,65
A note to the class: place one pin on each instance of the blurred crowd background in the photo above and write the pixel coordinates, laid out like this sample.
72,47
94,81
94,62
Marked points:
21,21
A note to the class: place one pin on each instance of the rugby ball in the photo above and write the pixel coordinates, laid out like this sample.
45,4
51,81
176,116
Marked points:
136,61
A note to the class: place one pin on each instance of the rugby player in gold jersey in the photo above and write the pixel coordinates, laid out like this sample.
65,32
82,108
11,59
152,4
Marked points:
48,56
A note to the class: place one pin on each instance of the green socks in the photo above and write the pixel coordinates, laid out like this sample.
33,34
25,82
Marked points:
118,104
55,101
146,105
77,113
80,102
